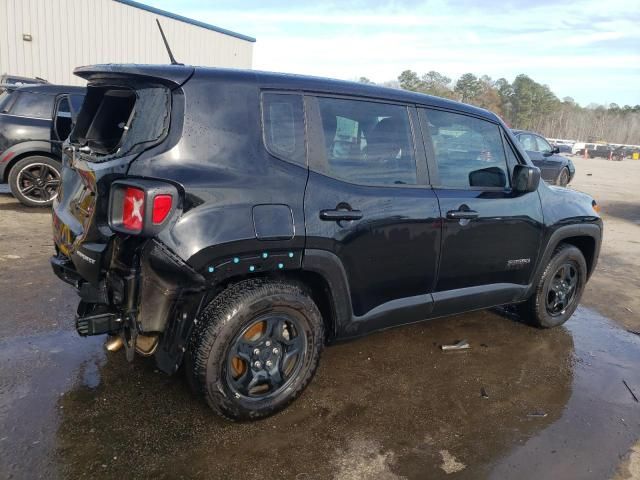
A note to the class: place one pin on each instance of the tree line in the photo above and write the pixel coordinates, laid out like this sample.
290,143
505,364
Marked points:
529,105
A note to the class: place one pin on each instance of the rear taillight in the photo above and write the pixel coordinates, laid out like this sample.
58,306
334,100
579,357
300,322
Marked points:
141,207
133,209
161,208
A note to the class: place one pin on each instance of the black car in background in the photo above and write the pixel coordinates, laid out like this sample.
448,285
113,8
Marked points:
555,169
34,120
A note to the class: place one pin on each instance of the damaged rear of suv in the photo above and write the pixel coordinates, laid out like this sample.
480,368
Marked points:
233,222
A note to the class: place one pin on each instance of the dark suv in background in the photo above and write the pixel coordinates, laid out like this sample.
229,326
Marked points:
34,120
556,169
235,222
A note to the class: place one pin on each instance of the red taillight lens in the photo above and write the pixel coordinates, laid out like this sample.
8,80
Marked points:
161,208
133,209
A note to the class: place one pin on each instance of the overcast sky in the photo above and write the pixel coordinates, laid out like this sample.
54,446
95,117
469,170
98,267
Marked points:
589,50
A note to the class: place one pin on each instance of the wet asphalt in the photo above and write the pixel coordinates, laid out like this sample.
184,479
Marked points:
520,403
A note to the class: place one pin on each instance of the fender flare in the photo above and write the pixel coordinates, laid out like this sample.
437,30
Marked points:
330,268
592,230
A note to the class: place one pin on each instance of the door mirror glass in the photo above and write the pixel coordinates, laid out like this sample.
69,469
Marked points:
555,149
526,178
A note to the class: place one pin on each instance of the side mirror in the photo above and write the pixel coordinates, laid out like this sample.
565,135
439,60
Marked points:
525,178
555,149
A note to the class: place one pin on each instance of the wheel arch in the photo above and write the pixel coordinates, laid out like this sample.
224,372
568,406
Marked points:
313,282
586,237
20,154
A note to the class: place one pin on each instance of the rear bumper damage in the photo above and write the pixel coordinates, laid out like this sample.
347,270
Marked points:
151,292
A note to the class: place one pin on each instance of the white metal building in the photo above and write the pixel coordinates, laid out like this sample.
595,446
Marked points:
49,38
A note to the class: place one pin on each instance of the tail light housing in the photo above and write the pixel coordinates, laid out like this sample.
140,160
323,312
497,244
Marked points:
141,206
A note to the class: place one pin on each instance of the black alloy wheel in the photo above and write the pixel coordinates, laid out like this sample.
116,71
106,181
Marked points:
561,291
558,290
265,356
255,348
34,181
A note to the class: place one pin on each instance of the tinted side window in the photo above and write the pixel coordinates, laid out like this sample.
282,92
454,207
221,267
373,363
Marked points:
543,145
63,108
468,151
283,124
367,143
528,143
33,105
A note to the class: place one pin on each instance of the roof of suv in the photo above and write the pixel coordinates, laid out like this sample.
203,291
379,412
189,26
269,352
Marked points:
329,85
178,74
50,89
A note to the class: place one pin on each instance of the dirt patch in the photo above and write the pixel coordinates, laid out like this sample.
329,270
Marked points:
614,286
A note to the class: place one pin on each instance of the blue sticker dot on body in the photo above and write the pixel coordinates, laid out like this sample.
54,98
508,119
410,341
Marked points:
265,255
290,254
211,269
236,260
281,265
252,268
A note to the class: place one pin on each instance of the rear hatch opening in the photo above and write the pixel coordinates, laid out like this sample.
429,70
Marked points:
108,124
104,118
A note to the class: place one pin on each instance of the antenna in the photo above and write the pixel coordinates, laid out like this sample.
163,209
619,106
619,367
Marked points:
166,44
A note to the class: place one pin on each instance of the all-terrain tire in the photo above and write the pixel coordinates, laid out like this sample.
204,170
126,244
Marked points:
223,320
535,310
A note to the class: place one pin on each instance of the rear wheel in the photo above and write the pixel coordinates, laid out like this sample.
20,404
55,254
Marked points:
34,180
256,347
559,289
563,178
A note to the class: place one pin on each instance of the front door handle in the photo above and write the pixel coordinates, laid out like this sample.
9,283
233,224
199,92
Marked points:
462,214
338,215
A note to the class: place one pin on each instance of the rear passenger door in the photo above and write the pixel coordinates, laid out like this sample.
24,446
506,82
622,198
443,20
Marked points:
368,203
491,234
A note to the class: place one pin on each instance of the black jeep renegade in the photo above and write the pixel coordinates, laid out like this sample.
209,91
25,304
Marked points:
235,222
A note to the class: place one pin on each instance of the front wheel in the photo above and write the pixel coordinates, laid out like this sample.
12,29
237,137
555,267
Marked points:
563,178
34,180
255,348
559,289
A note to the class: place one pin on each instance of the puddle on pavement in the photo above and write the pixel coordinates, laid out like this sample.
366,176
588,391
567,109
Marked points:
390,405
36,371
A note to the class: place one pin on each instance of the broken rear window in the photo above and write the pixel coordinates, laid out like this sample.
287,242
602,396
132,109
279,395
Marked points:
118,120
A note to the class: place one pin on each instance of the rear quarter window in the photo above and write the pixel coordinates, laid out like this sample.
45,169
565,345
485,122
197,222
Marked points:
283,126
33,105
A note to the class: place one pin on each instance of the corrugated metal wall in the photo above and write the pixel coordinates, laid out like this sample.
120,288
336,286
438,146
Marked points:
69,33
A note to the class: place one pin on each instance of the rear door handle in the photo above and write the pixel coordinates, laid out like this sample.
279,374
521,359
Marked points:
340,214
462,214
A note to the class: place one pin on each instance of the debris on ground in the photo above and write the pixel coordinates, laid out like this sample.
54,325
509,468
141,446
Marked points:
630,391
628,309
537,414
483,393
460,345
450,464
636,332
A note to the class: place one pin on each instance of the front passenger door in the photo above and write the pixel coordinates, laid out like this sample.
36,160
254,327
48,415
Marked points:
490,234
